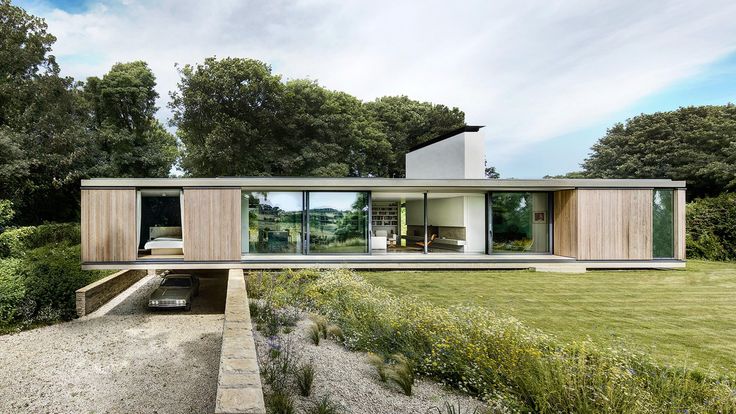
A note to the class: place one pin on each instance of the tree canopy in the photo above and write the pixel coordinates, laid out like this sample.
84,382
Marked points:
696,144
235,117
54,130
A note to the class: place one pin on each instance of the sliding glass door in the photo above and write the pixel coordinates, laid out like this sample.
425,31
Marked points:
272,222
338,222
520,222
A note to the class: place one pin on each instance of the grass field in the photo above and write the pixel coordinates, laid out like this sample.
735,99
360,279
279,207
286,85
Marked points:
680,316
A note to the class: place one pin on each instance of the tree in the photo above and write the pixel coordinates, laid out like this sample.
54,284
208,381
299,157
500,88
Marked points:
406,123
131,141
125,97
55,131
491,172
235,117
696,144
226,112
24,48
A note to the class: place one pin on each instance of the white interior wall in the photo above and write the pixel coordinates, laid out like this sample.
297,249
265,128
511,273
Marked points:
475,224
415,212
446,212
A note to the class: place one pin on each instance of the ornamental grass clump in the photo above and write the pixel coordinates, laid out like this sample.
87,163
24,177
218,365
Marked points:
496,357
401,373
321,323
314,333
323,405
304,378
380,364
334,332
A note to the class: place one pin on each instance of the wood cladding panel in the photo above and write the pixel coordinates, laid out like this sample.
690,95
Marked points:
680,224
614,224
211,225
565,223
108,221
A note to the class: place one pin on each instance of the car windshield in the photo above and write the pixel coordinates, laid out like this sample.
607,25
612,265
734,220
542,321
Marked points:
177,282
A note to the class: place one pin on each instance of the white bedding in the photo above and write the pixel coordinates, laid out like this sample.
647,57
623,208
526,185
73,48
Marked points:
164,243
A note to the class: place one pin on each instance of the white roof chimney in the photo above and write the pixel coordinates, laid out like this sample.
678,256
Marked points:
457,154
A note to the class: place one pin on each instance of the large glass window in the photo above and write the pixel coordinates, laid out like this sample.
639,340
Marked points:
663,226
272,222
520,222
159,214
338,222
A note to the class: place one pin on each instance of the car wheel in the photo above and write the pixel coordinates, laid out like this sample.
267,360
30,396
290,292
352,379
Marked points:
188,307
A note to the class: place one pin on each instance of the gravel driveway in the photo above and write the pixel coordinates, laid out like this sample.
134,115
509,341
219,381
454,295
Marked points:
127,361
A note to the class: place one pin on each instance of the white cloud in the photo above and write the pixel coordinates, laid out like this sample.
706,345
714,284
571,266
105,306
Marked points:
530,71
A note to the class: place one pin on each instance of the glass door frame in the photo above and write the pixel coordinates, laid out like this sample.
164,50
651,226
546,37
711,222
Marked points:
307,229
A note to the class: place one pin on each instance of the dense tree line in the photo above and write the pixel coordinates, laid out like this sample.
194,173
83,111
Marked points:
235,117
55,131
696,144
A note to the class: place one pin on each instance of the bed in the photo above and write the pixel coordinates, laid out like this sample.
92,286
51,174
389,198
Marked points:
165,241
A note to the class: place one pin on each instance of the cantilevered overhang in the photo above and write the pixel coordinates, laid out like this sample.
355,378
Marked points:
378,184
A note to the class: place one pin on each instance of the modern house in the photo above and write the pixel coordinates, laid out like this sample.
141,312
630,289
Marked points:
444,214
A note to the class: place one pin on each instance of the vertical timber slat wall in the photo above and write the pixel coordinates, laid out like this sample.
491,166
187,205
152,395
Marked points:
108,221
211,224
680,224
565,223
614,224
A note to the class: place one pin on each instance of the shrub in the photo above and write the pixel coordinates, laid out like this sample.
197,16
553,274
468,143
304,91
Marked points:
497,357
324,405
711,228
12,291
304,378
13,241
17,242
270,319
6,212
51,274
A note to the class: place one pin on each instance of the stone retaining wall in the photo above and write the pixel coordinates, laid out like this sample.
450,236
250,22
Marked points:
239,381
96,294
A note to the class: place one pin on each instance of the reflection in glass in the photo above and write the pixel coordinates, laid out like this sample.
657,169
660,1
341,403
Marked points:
663,224
520,222
338,222
272,222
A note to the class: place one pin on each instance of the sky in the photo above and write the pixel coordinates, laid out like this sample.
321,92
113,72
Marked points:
545,78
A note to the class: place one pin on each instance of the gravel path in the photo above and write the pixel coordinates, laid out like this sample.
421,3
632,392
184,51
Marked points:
349,380
127,361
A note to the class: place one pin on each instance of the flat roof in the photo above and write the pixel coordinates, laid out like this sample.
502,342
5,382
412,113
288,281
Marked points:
381,184
448,134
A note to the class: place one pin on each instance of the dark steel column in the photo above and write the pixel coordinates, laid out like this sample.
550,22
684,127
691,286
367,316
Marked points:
426,218
369,217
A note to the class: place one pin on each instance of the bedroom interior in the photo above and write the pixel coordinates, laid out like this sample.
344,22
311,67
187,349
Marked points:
159,223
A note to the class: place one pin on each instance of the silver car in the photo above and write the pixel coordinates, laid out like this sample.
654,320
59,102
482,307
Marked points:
176,291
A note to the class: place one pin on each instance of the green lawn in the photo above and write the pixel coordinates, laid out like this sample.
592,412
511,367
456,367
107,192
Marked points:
680,316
